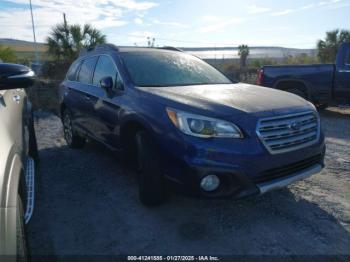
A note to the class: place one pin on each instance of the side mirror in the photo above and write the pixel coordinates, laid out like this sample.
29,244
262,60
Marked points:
106,83
13,76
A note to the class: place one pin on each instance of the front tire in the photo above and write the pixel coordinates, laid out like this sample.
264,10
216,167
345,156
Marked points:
151,180
73,139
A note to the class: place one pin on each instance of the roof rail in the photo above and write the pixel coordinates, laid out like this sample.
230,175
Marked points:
171,48
100,47
106,47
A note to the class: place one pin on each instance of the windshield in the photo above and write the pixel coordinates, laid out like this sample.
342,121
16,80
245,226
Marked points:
170,69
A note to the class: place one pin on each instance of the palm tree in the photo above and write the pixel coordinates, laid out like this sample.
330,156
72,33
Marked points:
327,49
243,52
65,41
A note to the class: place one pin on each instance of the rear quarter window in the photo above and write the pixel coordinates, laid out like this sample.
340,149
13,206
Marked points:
86,70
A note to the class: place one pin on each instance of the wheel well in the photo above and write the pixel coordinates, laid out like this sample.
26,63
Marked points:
127,136
285,85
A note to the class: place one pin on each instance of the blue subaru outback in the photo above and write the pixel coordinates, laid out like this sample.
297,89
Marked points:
184,122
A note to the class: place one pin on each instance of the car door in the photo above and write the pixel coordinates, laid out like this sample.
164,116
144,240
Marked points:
11,116
11,151
81,94
107,106
342,78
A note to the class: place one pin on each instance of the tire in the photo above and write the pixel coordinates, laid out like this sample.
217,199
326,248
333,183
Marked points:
298,92
22,247
73,139
150,177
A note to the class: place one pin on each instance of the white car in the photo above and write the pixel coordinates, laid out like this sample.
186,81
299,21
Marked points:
18,152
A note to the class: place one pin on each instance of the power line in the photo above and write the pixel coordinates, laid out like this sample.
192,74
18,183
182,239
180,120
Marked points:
33,26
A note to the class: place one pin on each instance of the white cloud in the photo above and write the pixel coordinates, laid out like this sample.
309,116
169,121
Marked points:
172,24
108,22
305,7
334,4
210,18
16,22
140,38
284,12
254,9
133,5
221,26
329,2
138,21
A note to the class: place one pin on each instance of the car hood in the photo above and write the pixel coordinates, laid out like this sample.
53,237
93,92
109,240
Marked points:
233,98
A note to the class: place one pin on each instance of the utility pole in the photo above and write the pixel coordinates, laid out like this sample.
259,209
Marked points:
64,20
35,43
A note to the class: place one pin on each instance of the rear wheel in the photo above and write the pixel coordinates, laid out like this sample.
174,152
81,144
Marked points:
73,139
151,180
22,248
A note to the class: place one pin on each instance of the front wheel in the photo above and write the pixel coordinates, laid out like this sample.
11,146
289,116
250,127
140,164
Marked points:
73,139
151,180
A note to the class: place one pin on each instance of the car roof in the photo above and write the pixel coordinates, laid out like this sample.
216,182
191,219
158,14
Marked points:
110,48
147,49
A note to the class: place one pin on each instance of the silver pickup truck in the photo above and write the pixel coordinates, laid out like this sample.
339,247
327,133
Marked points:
18,152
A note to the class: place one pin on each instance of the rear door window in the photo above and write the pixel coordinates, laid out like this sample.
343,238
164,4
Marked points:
86,70
105,67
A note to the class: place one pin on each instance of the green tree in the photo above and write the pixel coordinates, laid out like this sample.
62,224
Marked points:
300,59
66,41
327,49
243,52
7,55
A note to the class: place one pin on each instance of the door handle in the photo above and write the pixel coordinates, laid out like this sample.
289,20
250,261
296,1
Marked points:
16,98
87,97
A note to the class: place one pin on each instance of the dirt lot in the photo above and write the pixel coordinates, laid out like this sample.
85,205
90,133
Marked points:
87,204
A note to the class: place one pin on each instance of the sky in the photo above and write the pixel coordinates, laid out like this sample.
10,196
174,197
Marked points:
183,23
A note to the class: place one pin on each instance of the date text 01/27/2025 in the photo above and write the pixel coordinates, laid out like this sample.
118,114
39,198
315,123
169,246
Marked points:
173,258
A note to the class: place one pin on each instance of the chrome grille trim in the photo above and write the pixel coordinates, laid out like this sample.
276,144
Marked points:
278,137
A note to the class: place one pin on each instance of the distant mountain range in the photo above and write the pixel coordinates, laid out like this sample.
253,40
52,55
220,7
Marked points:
274,52
10,41
22,47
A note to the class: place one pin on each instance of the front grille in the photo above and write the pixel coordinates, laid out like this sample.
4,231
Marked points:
289,132
287,169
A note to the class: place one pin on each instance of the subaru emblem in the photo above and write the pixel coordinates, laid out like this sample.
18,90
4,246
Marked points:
296,125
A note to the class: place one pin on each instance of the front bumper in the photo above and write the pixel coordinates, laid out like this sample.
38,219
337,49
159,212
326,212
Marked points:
285,181
246,175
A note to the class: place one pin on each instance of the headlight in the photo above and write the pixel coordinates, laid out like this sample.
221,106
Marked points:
202,126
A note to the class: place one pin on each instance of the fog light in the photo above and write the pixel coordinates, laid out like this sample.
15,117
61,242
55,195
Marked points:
210,183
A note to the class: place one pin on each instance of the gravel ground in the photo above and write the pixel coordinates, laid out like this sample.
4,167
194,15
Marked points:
87,203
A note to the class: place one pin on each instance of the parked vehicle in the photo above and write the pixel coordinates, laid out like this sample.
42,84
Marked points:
317,83
18,152
185,122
